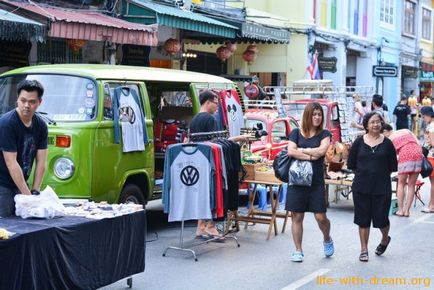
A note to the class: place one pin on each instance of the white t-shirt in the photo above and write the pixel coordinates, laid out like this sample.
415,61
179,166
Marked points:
234,113
132,124
188,185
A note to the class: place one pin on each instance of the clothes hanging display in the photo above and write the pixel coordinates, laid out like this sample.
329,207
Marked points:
127,109
188,188
232,111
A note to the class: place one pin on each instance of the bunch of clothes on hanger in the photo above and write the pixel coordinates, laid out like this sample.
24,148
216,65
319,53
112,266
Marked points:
201,179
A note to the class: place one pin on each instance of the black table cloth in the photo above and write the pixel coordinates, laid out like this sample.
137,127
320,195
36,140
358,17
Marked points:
71,252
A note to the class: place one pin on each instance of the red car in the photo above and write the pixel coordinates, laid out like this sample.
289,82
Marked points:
332,123
277,129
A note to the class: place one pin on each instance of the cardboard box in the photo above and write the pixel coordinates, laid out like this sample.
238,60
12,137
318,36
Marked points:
251,169
267,176
393,205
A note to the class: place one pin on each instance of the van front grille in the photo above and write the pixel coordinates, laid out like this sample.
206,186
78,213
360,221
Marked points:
50,140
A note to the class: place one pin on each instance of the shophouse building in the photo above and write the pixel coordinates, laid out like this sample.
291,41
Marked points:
425,44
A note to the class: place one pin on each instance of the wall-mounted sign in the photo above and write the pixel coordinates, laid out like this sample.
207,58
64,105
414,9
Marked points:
385,71
426,72
327,64
409,72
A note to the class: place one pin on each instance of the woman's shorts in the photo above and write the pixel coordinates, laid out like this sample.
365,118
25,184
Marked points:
370,207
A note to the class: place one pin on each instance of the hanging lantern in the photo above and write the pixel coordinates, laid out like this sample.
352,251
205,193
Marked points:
172,46
253,48
231,46
223,53
249,56
75,44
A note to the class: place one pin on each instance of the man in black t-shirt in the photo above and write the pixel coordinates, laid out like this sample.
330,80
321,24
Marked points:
23,138
401,113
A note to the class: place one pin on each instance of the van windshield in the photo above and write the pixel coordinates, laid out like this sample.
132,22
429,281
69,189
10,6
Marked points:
66,98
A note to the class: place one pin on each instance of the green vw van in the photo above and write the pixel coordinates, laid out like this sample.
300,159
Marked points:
86,158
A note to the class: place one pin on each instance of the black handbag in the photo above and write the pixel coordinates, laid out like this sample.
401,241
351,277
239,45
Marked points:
426,168
281,165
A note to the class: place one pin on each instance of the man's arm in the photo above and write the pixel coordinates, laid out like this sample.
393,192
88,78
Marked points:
16,172
41,161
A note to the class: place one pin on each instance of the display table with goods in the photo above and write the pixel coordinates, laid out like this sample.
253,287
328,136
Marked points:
262,174
73,251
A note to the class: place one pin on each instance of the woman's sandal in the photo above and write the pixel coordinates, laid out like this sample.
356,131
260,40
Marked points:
364,256
382,248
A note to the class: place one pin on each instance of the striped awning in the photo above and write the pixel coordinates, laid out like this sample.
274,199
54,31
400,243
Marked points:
17,28
146,12
89,25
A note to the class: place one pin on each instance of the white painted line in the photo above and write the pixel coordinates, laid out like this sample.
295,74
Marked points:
306,279
426,222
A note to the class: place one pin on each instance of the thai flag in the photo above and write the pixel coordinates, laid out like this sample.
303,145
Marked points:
313,69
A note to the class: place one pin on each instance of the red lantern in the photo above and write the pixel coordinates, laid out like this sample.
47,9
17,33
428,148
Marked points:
249,56
223,53
75,44
253,48
231,46
172,46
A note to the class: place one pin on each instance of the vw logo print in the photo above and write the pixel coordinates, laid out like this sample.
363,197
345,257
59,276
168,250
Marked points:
126,114
189,175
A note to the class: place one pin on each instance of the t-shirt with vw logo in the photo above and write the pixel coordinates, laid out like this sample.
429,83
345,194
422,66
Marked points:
188,187
132,123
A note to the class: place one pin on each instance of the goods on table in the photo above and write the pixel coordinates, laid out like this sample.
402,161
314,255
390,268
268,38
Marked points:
45,205
93,210
5,234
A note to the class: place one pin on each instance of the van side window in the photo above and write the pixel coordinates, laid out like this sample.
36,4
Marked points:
109,94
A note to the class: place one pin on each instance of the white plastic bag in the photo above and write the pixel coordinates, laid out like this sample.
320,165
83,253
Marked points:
45,205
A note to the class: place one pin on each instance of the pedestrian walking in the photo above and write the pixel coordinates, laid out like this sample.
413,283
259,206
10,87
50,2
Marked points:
401,113
309,143
409,165
372,157
428,118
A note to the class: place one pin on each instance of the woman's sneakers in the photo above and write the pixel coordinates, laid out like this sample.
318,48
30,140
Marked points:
329,248
297,256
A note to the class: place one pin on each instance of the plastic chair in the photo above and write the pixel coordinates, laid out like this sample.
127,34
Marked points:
417,188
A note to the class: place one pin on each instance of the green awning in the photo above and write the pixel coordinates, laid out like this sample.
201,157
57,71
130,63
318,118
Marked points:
17,28
140,11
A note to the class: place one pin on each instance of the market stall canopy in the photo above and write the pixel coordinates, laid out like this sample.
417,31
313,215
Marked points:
145,12
88,25
16,28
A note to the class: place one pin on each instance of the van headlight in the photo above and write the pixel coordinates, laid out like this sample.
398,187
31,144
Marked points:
64,168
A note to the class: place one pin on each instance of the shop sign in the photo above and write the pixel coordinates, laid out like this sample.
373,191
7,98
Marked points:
264,33
426,72
426,76
409,72
385,71
135,55
327,64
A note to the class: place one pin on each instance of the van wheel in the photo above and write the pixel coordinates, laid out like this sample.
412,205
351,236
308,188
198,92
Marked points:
131,193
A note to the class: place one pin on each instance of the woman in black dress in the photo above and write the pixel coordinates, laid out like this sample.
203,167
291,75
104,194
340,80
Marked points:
309,143
373,158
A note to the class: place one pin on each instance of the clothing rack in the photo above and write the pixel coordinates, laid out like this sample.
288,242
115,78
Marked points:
208,136
189,250
181,247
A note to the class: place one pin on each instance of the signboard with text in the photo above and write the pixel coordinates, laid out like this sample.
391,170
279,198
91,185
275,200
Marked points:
327,64
385,71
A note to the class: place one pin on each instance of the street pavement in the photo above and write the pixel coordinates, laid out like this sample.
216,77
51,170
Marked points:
408,262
